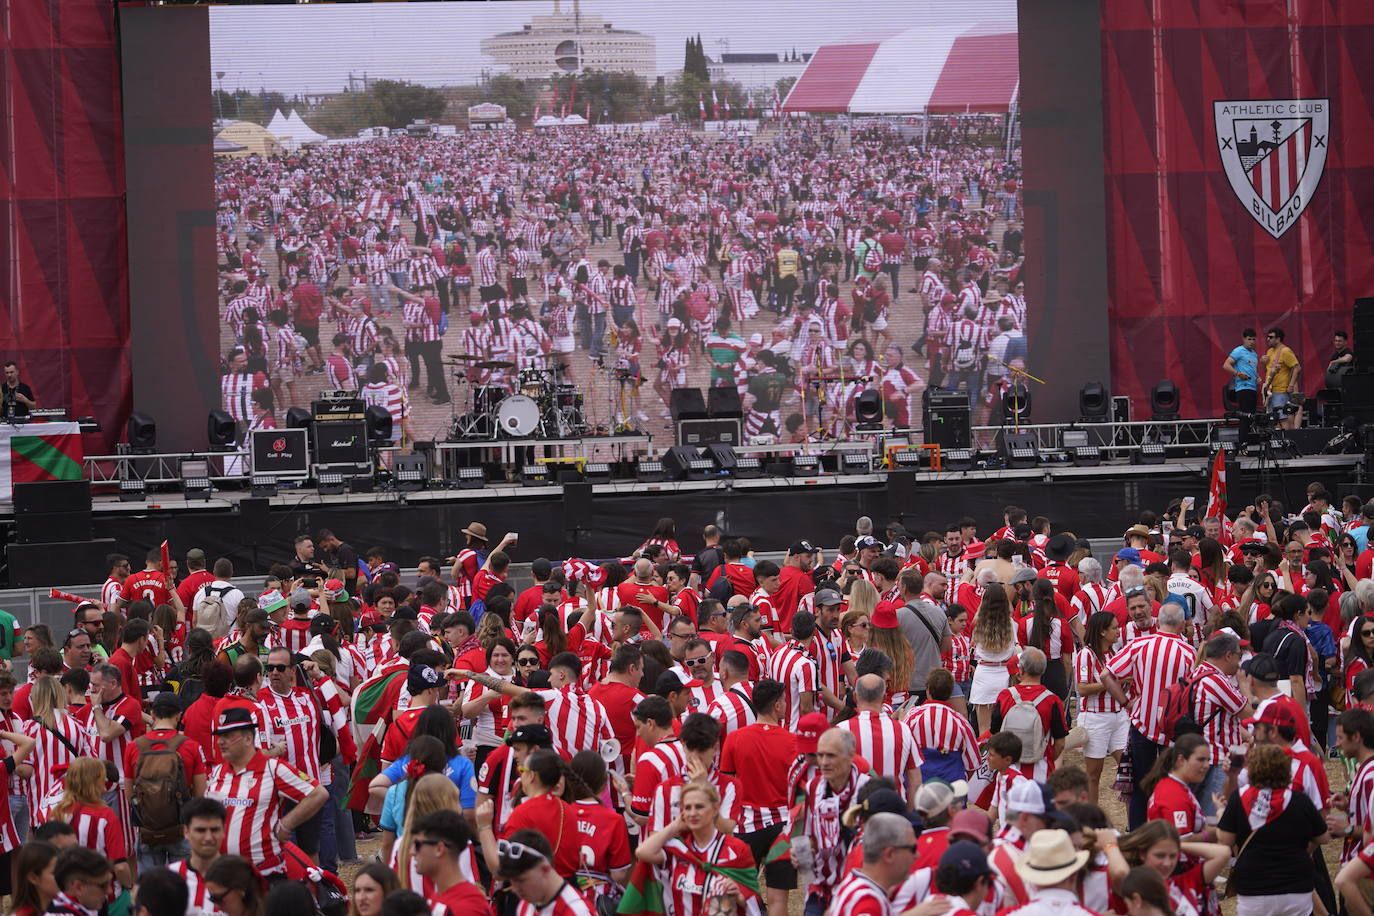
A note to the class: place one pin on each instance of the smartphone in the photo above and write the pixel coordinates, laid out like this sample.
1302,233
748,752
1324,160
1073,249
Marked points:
1189,502
514,536
310,582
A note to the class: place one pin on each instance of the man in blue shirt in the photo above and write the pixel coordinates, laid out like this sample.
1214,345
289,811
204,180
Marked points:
1243,364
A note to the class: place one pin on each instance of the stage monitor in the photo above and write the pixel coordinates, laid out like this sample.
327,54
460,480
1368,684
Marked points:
280,453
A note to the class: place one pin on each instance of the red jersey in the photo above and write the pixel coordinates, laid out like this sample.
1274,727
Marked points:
253,796
461,899
189,751
759,757
557,821
627,592
147,585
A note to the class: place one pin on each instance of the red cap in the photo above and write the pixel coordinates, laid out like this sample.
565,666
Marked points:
884,617
809,730
1277,714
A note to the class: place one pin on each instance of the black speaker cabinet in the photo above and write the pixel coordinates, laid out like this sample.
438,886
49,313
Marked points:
901,492
253,517
678,459
577,506
42,565
686,404
947,420
723,403
1362,329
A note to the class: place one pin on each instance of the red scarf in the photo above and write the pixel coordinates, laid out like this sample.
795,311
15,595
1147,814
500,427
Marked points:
1262,806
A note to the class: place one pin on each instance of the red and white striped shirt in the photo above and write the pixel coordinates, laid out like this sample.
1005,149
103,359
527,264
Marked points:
792,667
938,726
1090,599
567,902
1151,664
657,765
952,565
860,895
236,393
253,797
197,894
128,712
389,396
110,591
294,719
487,268
1087,669
578,722
1218,704
885,743
97,828
959,659
51,756
732,709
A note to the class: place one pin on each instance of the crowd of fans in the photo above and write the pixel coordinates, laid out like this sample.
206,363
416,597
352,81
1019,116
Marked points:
801,268
881,728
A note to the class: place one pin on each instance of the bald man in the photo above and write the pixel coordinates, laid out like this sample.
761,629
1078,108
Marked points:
644,592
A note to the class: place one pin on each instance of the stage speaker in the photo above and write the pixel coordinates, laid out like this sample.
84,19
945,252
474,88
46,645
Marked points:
1020,450
722,455
677,461
577,507
946,419
52,511
686,404
723,403
1362,329
901,493
299,418
1357,394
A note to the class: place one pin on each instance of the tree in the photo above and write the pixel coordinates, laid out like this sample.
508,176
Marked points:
515,94
784,86
694,62
399,102
683,96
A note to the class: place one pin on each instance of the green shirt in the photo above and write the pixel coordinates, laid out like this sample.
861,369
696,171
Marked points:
9,634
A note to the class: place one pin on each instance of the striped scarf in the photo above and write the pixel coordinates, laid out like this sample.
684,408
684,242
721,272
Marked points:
1263,806
584,570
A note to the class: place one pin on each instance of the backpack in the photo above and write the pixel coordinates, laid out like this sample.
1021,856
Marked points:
873,259
965,355
160,790
1177,716
1023,720
210,611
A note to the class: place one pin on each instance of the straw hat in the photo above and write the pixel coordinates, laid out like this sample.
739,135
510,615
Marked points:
1050,858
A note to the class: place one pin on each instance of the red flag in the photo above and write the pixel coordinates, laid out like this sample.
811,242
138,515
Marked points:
715,106
701,104
1216,490
166,560
727,108
535,117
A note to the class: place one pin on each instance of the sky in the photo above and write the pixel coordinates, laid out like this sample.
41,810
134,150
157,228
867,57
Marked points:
312,48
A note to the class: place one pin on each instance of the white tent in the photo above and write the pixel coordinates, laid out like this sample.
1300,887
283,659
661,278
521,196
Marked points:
548,121
299,131
574,120
278,126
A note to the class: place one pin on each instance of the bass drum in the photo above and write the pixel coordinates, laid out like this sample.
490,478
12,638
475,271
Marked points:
518,416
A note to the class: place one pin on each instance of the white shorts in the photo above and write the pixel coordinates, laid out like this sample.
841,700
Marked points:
1274,905
1107,733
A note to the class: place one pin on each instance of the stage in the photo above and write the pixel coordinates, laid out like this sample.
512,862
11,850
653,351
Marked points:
1089,501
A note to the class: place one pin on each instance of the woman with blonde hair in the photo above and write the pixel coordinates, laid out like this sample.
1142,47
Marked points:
96,824
862,600
994,645
59,740
886,636
692,857
432,792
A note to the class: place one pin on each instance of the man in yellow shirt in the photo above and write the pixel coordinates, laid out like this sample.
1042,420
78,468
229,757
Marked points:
788,261
1281,368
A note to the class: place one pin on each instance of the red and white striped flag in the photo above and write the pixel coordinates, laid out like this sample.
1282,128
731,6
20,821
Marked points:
701,105
727,108
536,112
583,570
1216,490
715,106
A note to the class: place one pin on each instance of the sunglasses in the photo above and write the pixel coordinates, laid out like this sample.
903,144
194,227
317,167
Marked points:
527,662
277,667
861,625
218,899
693,662
421,844
514,852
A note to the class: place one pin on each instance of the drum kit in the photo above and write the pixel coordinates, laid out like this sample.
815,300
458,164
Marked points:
541,406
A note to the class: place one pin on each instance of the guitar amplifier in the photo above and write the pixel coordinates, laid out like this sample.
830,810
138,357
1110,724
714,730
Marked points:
338,409
341,442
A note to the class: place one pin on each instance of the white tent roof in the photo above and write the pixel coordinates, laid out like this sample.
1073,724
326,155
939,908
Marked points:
548,121
299,131
574,120
278,126
902,73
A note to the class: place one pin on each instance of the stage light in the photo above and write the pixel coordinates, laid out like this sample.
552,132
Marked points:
329,483
1086,456
597,471
958,459
1164,401
534,475
379,422
856,462
1094,403
701,469
132,490
264,485
906,458
221,430
1150,453
409,473
471,478
748,466
195,478
1016,404
868,408
1227,438
1073,438
805,466
142,433
299,418
650,470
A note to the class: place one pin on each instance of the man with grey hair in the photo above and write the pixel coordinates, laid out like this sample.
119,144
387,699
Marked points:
1137,677
889,845
863,526
1219,707
829,791
1093,593
1131,577
885,742
1033,712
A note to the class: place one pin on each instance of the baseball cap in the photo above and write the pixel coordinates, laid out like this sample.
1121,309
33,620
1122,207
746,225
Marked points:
1274,714
300,598
233,719
933,797
881,801
809,730
827,596
421,677
966,859
1024,574
866,542
1027,797
1130,555
1196,532
1230,632
800,547
537,735
1261,667
272,601
970,823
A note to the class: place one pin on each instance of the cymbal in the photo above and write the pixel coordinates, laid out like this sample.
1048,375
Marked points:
464,358
494,364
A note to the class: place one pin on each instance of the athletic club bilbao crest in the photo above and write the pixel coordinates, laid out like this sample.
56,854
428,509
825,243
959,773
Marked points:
1274,152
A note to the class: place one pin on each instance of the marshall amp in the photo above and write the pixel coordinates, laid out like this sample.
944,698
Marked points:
341,442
